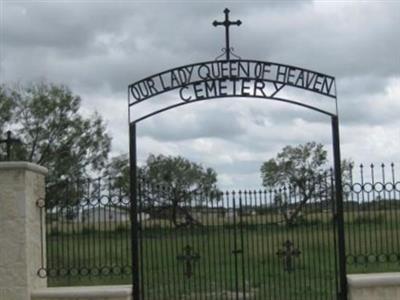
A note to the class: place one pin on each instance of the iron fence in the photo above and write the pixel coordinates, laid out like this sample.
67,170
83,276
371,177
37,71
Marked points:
217,244
87,236
372,218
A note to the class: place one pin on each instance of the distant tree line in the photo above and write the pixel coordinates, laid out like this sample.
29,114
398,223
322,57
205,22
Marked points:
47,118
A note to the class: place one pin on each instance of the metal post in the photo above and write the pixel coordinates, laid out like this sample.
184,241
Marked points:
8,145
339,209
134,213
228,46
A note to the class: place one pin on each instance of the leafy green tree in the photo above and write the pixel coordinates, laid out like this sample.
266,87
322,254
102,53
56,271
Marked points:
303,170
169,186
55,135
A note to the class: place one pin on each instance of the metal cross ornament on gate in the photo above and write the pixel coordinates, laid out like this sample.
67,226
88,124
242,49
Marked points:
189,258
227,23
9,141
287,254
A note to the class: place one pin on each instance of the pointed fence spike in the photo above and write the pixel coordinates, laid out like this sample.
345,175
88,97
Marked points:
393,173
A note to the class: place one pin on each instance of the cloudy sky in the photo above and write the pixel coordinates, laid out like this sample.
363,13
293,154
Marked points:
98,48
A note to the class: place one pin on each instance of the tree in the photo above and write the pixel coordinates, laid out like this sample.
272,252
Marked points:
302,169
118,172
55,135
169,185
6,108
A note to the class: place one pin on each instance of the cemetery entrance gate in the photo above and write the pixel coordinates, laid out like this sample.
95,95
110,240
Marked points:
263,244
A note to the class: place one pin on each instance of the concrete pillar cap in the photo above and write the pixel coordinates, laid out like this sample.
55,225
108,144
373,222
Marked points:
23,165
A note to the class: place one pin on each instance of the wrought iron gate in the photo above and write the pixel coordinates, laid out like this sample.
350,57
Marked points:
246,257
239,245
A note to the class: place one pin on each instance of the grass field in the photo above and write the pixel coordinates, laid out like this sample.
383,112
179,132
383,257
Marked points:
102,253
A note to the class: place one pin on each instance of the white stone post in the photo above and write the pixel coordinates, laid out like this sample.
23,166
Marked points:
21,186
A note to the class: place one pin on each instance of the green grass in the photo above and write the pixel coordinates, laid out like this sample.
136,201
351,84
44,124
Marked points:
260,271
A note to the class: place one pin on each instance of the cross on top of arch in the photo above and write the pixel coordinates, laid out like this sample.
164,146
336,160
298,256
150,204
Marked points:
227,23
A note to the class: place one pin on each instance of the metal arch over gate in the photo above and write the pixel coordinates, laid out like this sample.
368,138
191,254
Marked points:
232,78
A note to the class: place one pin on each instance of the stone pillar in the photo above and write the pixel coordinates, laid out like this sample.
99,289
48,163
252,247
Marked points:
374,286
21,186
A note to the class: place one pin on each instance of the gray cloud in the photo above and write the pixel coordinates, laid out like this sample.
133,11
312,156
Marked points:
99,47
183,124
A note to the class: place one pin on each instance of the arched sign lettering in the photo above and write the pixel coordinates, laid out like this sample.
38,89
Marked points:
231,78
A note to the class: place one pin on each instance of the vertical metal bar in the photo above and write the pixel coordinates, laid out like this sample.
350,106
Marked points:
242,246
278,241
364,213
260,245
334,226
217,245
374,213
261,217
385,214
320,262
231,246
67,262
228,50
148,245
142,189
209,284
328,226
235,245
394,217
352,210
8,144
133,213
202,217
296,239
294,236
266,239
339,208
42,210
308,252
225,236
391,218
174,250
246,240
